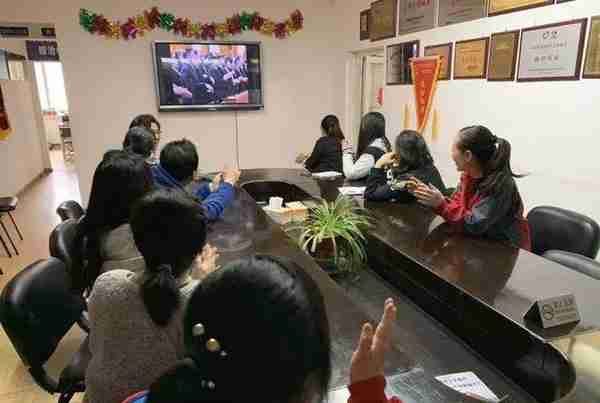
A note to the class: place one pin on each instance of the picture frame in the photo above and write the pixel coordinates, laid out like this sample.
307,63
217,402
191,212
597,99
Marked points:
498,7
365,15
504,49
445,51
591,67
415,16
398,57
552,52
458,11
470,59
383,19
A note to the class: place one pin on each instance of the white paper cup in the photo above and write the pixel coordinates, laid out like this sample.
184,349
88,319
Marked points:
275,202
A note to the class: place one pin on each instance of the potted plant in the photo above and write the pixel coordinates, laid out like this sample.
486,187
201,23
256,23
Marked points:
333,235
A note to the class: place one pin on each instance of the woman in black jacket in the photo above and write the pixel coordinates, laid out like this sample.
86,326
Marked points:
390,179
327,154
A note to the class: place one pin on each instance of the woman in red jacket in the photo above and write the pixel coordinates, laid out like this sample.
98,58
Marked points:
487,202
257,331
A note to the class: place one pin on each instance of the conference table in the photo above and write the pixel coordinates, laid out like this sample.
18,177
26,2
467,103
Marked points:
461,301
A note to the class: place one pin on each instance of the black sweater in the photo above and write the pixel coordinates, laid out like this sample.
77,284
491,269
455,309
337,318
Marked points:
379,187
326,156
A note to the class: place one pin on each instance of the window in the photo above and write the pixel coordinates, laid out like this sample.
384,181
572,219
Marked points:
51,84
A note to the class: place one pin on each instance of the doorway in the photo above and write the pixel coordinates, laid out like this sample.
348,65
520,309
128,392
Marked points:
365,87
55,111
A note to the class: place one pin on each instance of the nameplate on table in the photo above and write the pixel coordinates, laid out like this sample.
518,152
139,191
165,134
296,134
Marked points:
555,311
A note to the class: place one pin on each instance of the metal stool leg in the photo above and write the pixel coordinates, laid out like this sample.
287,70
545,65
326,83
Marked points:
5,247
8,235
16,226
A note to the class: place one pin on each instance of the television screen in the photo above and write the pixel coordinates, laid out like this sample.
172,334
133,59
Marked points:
208,75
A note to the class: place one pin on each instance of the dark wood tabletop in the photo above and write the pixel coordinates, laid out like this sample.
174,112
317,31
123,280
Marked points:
461,300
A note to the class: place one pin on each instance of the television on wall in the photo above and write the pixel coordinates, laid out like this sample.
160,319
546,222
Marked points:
211,76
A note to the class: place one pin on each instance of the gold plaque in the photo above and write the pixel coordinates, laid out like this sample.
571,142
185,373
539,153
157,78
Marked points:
470,59
445,52
382,22
503,56
496,7
592,59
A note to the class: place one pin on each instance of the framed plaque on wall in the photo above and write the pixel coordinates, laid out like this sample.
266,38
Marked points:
382,23
592,58
504,48
445,53
364,24
552,52
470,59
416,15
398,62
456,11
496,7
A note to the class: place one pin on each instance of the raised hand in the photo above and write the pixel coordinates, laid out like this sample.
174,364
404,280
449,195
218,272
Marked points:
369,358
386,159
231,175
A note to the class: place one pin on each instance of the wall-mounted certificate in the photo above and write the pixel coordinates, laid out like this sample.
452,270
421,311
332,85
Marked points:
552,52
592,59
416,15
398,62
445,53
496,7
364,24
382,24
470,59
503,56
456,11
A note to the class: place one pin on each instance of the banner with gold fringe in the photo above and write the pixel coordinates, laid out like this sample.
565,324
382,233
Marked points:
425,73
4,123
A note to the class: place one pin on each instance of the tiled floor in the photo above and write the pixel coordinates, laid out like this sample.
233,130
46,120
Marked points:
36,217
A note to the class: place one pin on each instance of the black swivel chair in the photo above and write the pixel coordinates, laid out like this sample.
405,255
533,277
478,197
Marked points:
65,247
70,209
553,228
574,261
37,309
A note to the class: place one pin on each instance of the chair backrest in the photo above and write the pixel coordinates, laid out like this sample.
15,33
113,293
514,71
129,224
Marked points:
37,308
70,209
553,228
576,262
65,246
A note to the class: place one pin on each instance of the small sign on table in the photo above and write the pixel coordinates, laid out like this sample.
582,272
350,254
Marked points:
555,311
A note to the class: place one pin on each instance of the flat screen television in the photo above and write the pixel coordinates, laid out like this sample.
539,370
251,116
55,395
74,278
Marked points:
208,75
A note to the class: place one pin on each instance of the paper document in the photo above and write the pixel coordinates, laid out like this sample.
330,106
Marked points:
469,384
352,190
327,175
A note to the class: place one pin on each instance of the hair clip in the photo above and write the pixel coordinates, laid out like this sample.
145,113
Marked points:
207,384
198,330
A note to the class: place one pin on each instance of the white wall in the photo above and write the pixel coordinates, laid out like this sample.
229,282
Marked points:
20,154
109,82
554,127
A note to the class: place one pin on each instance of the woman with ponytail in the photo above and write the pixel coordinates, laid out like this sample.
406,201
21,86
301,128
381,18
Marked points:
487,202
392,176
136,318
327,153
257,331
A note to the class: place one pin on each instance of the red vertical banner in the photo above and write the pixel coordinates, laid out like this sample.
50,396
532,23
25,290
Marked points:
425,72
4,124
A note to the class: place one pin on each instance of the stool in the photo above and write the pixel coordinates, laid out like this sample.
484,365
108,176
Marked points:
7,205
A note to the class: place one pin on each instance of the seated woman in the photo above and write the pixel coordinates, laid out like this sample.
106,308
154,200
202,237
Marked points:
178,165
391,178
372,144
136,318
487,202
151,123
119,181
266,312
327,154
141,141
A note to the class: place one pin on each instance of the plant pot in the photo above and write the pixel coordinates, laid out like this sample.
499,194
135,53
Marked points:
324,255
